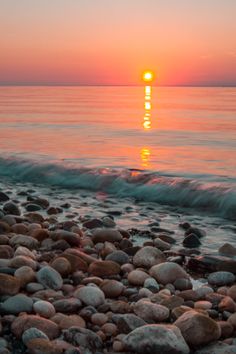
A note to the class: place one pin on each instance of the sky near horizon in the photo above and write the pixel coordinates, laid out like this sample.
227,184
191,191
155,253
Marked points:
102,42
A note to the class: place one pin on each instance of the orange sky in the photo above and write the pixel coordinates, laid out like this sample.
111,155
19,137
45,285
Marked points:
185,42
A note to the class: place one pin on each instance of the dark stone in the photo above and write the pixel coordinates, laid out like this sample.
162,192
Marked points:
194,230
191,241
3,197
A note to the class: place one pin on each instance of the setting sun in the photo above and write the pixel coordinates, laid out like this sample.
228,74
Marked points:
148,76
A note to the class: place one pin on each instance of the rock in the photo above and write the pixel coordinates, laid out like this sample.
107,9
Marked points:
84,338
42,346
20,229
49,278
194,230
70,305
62,266
191,241
226,329
104,268
17,304
227,250
128,322
232,320
161,245
32,333
152,285
71,237
93,223
227,304
120,307
11,208
102,235
168,272
4,227
99,319
112,288
197,329
232,292
23,261
6,252
221,278
44,309
217,348
39,234
90,295
9,285
108,222
212,264
109,329
23,251
34,217
149,312
26,241
137,277
183,284
3,197
203,305
119,257
24,322
147,257
32,207
155,339
33,287
171,302
71,321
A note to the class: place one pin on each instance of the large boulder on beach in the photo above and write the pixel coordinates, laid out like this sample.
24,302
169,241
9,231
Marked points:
221,278
148,256
9,285
24,322
103,235
90,295
150,312
156,338
168,272
49,278
198,329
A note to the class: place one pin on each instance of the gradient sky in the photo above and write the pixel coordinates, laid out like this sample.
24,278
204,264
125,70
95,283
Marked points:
185,42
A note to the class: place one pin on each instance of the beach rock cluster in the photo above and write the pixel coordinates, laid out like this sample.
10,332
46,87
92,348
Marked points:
86,286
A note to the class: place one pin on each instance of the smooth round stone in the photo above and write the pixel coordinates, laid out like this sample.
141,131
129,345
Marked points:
90,295
9,285
11,208
33,287
110,329
110,235
3,197
33,333
6,252
150,312
25,274
203,305
112,288
168,272
161,245
99,319
232,292
158,338
20,229
183,284
70,305
17,304
44,309
70,321
198,329
203,291
147,257
137,277
24,322
191,241
43,346
23,251
119,257
21,261
227,304
104,268
62,266
49,278
108,222
221,278
25,241
152,285
144,293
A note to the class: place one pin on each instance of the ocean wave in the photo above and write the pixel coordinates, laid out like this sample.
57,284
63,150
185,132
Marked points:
213,197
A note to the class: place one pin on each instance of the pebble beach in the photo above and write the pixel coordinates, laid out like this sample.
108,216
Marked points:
73,279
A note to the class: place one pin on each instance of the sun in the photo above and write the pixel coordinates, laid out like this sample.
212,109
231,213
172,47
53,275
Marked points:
148,76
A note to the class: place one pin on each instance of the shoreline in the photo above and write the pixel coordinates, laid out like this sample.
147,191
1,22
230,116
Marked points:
80,283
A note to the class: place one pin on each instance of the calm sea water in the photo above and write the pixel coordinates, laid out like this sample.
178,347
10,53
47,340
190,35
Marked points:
174,146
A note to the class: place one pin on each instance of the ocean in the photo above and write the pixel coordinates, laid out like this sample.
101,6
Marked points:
169,150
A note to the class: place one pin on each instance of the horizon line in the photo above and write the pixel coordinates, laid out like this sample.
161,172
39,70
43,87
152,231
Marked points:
109,85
